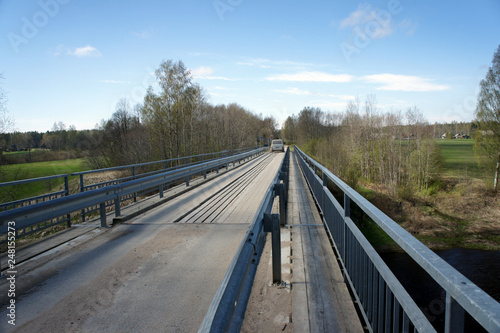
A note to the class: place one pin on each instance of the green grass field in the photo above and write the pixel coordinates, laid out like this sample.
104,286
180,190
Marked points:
35,170
459,159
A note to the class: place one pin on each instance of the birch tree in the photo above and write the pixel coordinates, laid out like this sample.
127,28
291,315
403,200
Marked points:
487,139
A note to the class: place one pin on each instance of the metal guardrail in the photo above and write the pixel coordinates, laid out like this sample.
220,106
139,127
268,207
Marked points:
37,199
229,304
33,214
385,304
165,165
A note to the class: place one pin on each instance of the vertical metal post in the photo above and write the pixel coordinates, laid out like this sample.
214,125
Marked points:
272,225
102,211
66,193
454,316
276,247
133,177
161,191
81,190
117,206
281,194
347,214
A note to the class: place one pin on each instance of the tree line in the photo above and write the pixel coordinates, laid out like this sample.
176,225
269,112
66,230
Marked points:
395,149
173,121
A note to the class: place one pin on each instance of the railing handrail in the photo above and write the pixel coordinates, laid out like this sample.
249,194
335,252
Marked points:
153,162
474,300
39,212
32,180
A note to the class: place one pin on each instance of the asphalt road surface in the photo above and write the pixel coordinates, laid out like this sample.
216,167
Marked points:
156,272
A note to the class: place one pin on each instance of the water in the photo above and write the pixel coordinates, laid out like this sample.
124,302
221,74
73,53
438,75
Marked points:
481,267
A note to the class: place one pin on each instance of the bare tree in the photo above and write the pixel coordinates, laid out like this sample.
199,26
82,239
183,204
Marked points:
487,140
6,122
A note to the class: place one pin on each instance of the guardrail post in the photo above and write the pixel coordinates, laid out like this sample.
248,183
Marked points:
82,190
66,190
117,206
102,211
133,177
272,224
160,189
454,316
279,189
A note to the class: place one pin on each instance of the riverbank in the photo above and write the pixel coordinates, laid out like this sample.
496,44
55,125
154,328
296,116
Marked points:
463,214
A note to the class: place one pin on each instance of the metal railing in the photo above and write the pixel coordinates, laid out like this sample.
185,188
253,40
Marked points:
229,304
135,169
157,166
25,217
35,200
385,304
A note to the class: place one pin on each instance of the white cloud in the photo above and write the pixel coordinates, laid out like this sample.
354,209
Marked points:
86,51
363,14
311,76
204,73
398,82
372,21
299,92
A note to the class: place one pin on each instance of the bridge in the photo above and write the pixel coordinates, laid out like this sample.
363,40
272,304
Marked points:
242,241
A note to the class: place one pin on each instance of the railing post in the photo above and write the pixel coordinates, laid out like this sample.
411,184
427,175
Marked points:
279,189
454,316
133,177
66,193
347,214
117,206
81,190
272,224
102,212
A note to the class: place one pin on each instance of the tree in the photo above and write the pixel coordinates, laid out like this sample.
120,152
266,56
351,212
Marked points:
487,138
6,123
290,129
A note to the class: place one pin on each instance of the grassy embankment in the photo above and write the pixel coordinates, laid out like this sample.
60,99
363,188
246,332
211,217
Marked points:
12,172
459,211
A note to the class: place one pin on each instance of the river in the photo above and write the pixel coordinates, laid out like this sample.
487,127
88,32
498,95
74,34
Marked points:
481,267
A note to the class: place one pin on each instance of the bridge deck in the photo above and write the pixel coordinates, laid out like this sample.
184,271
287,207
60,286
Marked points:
157,272
160,270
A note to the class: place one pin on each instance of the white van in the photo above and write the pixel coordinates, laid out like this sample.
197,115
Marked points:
277,145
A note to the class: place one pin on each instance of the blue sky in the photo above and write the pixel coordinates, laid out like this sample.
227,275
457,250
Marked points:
72,60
